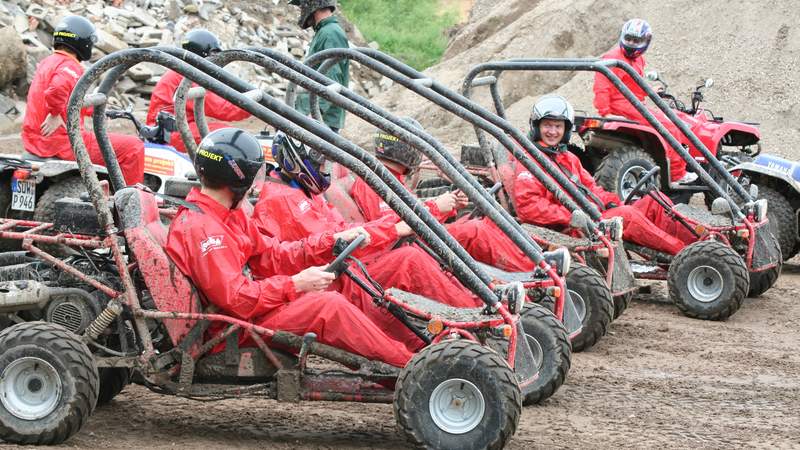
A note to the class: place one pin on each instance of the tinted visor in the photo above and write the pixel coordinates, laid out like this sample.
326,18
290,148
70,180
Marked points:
633,40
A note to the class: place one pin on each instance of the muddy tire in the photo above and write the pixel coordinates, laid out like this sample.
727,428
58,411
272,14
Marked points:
433,187
48,382
782,220
45,210
112,382
551,349
457,395
621,303
708,280
621,169
593,301
760,282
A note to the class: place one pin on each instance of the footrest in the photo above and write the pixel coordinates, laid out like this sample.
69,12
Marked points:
440,310
507,277
556,237
703,216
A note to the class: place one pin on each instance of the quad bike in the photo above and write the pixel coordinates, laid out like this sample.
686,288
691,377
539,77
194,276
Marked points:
544,333
739,233
618,152
139,313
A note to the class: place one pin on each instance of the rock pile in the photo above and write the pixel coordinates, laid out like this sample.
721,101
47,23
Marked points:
26,28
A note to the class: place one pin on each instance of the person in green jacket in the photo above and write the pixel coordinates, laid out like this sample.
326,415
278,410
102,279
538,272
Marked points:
327,34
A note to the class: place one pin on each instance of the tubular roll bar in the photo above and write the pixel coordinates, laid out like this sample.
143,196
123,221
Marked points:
305,77
455,103
275,113
605,67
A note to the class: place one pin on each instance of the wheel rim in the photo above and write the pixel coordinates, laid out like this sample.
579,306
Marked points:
629,179
705,283
580,304
536,350
457,406
30,388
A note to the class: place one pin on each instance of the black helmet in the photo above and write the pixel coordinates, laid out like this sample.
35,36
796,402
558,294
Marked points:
77,34
300,164
553,107
201,42
307,8
229,157
391,148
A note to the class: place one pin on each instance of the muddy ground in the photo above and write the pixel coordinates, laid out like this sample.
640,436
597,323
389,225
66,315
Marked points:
657,380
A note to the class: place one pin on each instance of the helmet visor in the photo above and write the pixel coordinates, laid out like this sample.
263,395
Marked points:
634,40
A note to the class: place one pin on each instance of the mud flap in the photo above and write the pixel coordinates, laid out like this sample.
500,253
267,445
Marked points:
524,364
570,319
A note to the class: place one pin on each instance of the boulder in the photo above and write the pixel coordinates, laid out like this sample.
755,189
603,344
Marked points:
13,59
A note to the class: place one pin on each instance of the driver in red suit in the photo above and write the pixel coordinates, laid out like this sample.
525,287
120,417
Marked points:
202,43
608,100
645,222
256,278
43,130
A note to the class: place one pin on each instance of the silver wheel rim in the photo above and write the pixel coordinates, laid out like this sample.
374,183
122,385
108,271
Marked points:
536,350
30,388
580,304
629,179
457,406
705,283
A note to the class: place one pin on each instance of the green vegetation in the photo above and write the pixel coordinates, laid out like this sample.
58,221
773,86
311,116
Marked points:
411,30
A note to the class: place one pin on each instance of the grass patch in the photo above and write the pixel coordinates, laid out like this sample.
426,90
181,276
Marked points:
411,30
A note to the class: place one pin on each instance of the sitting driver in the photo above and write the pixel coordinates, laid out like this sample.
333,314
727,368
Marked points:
645,221
634,39
256,278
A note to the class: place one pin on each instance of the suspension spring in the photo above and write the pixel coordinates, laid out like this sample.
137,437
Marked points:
112,311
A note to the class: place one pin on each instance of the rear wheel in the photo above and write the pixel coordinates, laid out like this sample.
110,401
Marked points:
552,352
112,381
457,395
621,303
760,282
622,168
45,210
592,299
782,220
48,384
708,280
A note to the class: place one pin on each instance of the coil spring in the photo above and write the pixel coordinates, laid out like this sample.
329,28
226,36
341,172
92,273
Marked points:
112,311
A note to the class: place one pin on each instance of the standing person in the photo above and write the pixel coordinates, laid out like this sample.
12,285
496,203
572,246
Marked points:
202,43
44,133
327,34
634,40
247,275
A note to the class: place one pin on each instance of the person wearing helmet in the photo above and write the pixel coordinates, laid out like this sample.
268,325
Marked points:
327,34
245,274
634,40
292,206
645,222
481,238
202,43
43,131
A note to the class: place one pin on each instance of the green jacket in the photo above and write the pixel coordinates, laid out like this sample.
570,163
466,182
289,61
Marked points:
328,34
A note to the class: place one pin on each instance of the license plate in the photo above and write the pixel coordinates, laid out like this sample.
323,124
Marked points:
23,195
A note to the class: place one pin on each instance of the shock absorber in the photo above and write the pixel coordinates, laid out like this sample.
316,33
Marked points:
104,320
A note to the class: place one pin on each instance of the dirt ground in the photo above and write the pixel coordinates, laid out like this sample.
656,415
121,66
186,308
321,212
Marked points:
657,380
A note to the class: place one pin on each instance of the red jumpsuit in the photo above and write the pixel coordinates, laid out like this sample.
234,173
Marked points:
215,106
285,212
645,222
608,100
247,275
481,238
53,82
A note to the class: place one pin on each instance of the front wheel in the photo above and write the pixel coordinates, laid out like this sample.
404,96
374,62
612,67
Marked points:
552,352
48,384
760,282
457,395
708,280
622,169
594,304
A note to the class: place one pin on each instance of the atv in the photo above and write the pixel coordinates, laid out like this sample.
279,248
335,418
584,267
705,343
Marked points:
748,244
131,310
618,152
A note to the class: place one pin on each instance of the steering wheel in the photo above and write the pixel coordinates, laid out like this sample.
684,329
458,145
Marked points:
338,265
492,191
637,190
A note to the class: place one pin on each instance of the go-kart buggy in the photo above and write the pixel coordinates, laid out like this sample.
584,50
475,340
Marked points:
618,152
587,288
464,390
545,335
741,235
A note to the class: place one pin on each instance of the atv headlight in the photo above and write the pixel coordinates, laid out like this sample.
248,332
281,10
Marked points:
560,259
612,228
514,295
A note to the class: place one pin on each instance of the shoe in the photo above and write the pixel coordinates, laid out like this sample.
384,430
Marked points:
688,178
